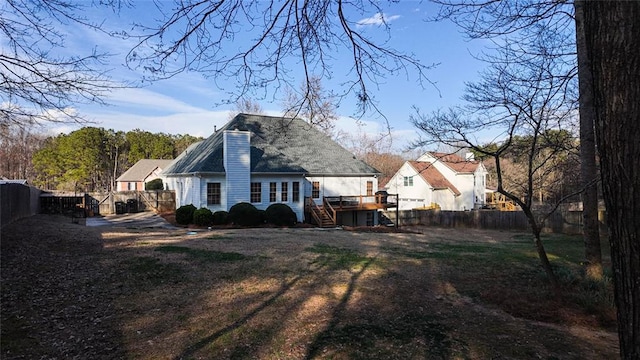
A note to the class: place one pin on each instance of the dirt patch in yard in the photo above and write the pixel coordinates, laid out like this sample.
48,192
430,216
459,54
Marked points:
70,291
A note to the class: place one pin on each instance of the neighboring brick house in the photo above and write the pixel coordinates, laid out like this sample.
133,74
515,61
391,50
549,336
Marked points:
140,173
264,160
448,180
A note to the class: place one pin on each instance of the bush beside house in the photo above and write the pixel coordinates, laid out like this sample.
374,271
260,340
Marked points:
220,218
184,214
244,214
203,217
241,214
280,215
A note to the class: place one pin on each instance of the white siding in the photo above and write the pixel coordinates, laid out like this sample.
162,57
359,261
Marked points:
237,164
223,192
462,181
186,189
445,198
226,201
464,184
410,197
266,180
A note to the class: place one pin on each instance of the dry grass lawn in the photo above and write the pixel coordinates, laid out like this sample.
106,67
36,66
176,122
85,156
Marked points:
69,291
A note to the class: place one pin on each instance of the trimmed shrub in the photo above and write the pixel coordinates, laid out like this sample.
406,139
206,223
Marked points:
281,215
184,214
220,218
203,217
155,184
244,214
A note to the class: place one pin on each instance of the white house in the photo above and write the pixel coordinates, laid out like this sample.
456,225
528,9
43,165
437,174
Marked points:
448,180
265,160
140,173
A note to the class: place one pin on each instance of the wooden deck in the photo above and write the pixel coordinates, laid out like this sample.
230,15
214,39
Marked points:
326,214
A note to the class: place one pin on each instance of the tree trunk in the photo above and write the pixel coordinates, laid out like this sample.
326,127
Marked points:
588,167
542,253
544,260
612,32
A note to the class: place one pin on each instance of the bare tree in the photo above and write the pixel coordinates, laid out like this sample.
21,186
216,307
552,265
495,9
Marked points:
38,82
513,102
549,21
387,163
612,34
197,36
554,179
247,106
313,104
374,149
17,146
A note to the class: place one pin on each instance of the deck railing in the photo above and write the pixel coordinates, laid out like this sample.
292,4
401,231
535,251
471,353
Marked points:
330,210
354,202
314,210
326,212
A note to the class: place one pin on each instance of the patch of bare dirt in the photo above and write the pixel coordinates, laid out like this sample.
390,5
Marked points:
69,291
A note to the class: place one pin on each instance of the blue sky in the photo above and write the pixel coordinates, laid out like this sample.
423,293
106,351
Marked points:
187,103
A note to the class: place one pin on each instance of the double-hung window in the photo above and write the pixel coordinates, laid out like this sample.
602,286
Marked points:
213,193
408,181
256,192
295,191
284,191
273,192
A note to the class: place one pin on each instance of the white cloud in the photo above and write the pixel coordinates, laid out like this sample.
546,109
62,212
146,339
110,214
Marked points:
377,20
176,118
140,97
56,129
197,123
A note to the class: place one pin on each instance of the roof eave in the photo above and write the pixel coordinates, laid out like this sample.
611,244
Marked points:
343,174
194,173
278,173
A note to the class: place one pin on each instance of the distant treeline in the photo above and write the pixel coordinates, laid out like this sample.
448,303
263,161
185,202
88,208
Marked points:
90,159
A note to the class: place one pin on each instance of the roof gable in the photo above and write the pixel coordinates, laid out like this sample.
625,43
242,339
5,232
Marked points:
432,176
453,161
143,168
278,145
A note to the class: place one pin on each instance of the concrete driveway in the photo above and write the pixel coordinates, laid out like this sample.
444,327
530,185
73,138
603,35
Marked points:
141,220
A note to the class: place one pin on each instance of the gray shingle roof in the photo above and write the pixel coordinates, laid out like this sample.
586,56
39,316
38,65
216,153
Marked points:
278,145
140,170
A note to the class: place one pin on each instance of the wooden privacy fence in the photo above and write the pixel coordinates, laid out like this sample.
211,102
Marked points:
18,201
104,203
134,201
567,222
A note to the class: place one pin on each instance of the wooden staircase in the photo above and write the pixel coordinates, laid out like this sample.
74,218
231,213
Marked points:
321,215
325,219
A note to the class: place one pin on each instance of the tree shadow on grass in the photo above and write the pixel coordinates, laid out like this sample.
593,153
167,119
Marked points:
192,349
365,333
152,297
